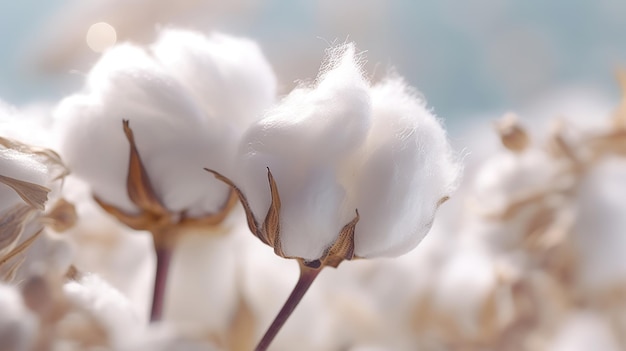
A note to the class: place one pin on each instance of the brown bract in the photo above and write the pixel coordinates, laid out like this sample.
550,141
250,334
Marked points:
269,231
512,135
153,216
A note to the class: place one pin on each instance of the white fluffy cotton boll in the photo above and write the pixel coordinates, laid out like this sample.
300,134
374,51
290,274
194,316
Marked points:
582,331
18,325
50,253
302,140
599,228
407,168
470,270
108,306
228,76
507,175
173,137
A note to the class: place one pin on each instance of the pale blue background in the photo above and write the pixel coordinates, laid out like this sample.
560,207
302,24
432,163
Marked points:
465,56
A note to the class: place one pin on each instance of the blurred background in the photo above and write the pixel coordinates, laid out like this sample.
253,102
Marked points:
467,58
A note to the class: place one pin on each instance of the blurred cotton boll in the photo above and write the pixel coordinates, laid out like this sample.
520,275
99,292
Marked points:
585,330
108,306
18,325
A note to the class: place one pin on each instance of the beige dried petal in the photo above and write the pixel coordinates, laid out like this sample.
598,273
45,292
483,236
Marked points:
33,194
11,271
12,223
253,225
62,216
271,225
46,156
19,248
138,183
343,248
512,134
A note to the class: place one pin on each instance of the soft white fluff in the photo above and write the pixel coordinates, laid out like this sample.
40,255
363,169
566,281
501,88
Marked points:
506,176
18,325
228,76
406,168
108,306
469,271
585,330
175,135
342,145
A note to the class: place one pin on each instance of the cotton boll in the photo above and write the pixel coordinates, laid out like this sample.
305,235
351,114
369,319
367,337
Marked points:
506,176
582,331
301,141
50,253
173,137
229,76
407,169
599,227
471,271
108,306
18,326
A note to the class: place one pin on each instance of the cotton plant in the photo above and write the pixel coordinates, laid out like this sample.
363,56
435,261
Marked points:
545,209
342,169
148,120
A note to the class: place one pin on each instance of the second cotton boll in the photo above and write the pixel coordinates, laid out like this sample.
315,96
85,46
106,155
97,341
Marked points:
344,145
175,131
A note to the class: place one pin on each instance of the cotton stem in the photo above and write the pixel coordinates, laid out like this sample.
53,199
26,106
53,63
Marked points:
307,276
163,250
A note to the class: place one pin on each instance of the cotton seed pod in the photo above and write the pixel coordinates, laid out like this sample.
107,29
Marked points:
338,153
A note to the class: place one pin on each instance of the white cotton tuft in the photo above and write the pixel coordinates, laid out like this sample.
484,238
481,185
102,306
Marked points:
18,325
173,137
585,330
108,306
406,168
464,286
302,140
507,175
228,76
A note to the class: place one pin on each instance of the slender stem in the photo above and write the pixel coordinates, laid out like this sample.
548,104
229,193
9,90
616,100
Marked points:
163,256
307,276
